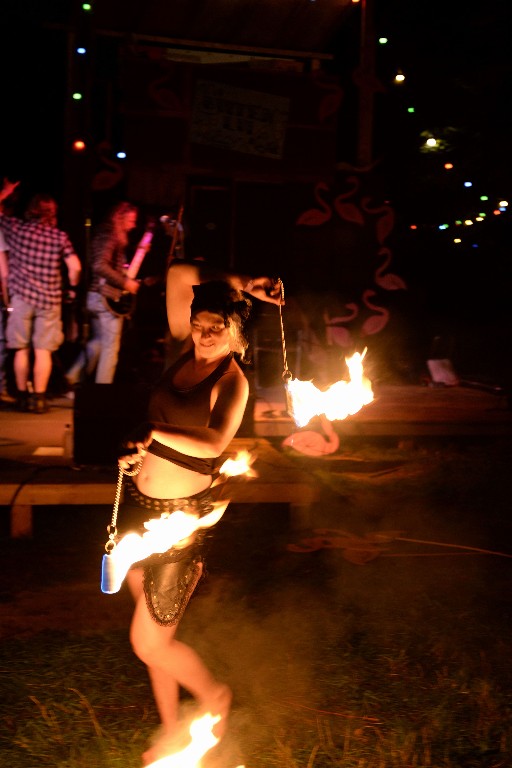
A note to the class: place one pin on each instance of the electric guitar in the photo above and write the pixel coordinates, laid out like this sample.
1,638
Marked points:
125,304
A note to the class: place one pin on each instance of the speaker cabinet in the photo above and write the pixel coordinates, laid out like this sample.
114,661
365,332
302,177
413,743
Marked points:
104,415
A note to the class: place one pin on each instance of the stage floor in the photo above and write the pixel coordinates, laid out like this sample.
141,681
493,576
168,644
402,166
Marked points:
396,411
402,410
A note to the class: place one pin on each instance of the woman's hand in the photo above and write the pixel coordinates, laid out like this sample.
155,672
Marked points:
135,452
136,447
8,188
265,289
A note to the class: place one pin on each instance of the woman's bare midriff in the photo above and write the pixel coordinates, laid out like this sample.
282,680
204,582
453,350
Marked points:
161,479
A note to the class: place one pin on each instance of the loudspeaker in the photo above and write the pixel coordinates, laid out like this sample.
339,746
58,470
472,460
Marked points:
104,415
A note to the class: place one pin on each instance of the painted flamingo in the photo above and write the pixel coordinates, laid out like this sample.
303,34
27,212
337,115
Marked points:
335,333
349,211
385,223
330,103
314,217
389,282
111,173
312,443
377,321
163,94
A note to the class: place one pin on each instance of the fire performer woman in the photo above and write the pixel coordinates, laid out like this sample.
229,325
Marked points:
195,411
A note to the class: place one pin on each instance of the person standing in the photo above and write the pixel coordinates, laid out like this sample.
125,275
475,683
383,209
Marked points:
37,252
108,281
4,308
195,411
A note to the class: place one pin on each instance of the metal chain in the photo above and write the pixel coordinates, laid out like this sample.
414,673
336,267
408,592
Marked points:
112,528
287,375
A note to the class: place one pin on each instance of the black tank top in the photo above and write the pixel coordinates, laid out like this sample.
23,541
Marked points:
185,408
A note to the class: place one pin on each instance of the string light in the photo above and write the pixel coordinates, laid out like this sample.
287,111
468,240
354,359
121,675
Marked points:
79,145
468,183
77,96
411,110
383,40
81,51
399,77
121,155
431,142
448,166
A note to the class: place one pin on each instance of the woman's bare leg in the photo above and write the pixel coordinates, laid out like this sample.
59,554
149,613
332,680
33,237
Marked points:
171,664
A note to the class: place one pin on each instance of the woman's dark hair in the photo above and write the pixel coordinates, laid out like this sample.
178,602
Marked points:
222,299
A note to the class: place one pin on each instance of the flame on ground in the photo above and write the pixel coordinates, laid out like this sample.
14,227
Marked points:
202,741
341,399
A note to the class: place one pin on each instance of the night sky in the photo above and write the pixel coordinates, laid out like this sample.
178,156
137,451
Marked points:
457,66
455,56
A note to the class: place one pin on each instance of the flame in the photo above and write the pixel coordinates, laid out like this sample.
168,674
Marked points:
202,741
240,465
161,534
341,399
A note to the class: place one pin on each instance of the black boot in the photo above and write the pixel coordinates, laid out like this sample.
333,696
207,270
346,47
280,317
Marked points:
23,401
40,405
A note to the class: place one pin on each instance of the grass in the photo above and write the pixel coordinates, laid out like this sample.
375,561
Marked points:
401,662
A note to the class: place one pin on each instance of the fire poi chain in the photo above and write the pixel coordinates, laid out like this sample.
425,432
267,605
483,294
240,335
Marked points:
341,399
170,530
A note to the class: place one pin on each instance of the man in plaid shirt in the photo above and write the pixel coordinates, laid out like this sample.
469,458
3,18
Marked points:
37,251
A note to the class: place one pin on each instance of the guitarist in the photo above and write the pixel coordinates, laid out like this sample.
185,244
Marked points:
108,283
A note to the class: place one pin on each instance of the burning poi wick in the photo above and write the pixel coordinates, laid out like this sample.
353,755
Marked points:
304,400
163,533
341,399
240,465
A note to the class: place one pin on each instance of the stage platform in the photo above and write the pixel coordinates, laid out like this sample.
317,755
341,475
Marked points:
397,411
39,469
402,411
